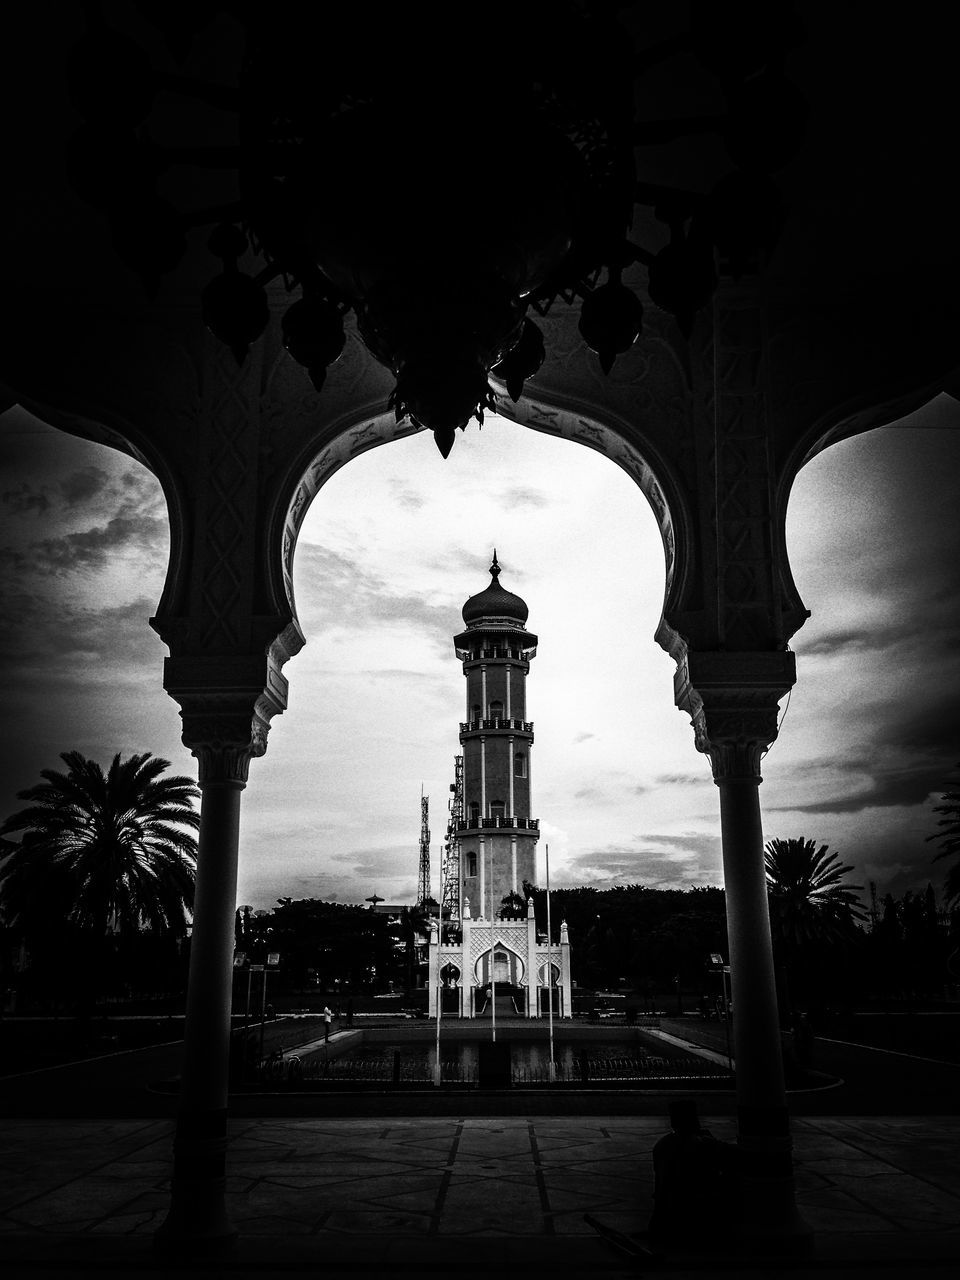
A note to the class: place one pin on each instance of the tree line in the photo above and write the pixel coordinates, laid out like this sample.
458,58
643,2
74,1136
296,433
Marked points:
97,896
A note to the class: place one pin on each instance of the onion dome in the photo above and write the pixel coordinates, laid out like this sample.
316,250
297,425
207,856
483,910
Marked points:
494,602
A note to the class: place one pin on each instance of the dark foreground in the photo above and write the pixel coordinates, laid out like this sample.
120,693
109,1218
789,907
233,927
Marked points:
451,1183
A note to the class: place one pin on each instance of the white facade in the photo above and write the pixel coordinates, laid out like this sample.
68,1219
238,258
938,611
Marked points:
459,972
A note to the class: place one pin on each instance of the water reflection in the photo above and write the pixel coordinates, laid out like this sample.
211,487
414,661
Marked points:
576,1060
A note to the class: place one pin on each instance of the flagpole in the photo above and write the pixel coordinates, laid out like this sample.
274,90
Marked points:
552,1069
493,980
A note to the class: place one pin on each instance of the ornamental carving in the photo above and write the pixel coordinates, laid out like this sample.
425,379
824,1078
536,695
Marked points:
226,705
733,701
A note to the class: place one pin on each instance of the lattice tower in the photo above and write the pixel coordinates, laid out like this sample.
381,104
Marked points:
450,872
423,887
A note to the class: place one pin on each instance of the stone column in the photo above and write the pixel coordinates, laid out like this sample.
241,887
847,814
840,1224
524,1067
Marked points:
226,705
433,968
533,1008
566,982
466,975
733,700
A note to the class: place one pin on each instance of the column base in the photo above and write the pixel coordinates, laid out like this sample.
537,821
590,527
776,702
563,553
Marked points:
768,1220
770,1223
197,1223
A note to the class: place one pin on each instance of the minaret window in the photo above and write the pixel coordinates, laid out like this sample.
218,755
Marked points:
471,864
475,711
520,765
474,813
496,710
497,809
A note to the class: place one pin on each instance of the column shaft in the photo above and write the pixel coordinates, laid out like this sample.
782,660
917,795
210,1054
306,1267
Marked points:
197,1213
760,1083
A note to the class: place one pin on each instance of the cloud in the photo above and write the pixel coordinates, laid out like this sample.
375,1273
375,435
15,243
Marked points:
26,498
582,737
658,861
925,724
137,523
94,549
35,630
82,486
374,860
350,597
683,779
400,673
405,497
517,496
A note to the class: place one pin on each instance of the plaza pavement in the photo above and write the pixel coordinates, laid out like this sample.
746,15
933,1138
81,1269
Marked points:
458,1193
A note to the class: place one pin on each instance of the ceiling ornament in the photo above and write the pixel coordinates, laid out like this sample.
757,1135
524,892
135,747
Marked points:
445,184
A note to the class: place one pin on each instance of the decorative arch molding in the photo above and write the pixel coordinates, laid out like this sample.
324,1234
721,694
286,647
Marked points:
862,413
603,429
854,417
99,425
481,963
598,427
355,431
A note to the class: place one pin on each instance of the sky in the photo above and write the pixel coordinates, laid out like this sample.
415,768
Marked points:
392,547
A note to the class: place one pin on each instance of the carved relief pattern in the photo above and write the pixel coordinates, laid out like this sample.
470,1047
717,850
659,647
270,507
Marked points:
733,703
230,413
746,581
572,425
346,444
480,939
226,704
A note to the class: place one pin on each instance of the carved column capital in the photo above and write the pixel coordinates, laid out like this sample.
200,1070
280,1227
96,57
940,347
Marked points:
733,700
226,704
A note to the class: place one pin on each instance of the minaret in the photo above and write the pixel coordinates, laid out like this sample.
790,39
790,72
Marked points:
498,837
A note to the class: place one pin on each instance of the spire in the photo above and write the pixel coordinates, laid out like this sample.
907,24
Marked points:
495,567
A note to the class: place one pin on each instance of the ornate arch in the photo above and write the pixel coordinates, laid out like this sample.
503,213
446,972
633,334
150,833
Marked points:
849,418
600,428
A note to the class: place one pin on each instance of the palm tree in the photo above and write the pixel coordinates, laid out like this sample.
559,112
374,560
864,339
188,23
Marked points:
808,902
811,912
414,924
106,852
950,837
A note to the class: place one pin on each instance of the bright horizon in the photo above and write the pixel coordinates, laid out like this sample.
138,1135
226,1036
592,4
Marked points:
376,696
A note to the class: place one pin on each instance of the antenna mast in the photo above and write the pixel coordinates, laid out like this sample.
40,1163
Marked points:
423,888
450,873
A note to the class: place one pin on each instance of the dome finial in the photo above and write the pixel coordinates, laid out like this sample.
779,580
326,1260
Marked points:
495,568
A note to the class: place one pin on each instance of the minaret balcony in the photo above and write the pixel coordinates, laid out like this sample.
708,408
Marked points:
476,657
498,823
500,724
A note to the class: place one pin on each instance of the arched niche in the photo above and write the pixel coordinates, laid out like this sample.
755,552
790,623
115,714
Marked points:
508,966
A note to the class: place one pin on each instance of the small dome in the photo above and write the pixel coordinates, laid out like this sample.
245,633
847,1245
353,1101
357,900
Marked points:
495,602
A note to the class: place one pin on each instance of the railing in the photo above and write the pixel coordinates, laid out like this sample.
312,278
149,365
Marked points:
471,726
507,820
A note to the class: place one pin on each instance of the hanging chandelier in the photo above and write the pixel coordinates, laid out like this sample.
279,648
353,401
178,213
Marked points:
445,187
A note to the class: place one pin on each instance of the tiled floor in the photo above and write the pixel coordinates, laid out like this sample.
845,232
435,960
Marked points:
886,1187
